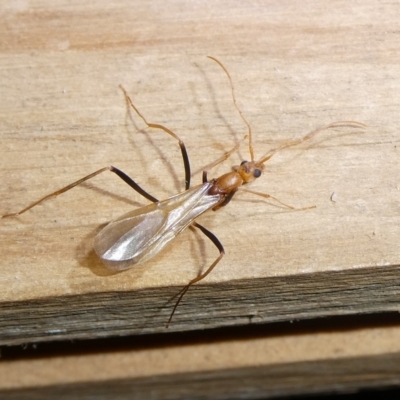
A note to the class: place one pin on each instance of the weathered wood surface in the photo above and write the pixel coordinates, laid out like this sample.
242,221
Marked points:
322,356
295,67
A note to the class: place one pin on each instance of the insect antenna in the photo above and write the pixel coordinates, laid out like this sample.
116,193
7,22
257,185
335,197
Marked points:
250,135
292,143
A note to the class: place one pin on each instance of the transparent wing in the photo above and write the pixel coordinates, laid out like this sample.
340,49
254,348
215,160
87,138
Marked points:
142,233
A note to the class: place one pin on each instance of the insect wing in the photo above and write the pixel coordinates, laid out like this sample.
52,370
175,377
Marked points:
142,233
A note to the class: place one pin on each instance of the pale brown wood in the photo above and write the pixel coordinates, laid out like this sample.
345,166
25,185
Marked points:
295,67
260,363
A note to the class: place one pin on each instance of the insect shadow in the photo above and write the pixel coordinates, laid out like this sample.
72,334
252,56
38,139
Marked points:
139,235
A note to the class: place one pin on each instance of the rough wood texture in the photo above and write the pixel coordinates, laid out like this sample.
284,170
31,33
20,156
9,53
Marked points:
247,362
233,303
295,67
63,117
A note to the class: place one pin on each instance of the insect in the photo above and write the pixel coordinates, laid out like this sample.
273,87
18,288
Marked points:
139,235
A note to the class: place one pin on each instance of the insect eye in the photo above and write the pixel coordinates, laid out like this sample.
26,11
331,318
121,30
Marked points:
243,162
257,173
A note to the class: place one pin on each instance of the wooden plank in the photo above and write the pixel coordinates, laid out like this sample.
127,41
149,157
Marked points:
106,314
337,355
295,67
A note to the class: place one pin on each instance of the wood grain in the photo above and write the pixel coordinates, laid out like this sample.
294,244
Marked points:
63,117
295,67
337,355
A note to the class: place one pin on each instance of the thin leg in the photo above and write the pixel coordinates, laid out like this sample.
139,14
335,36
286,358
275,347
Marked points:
118,172
185,156
219,246
268,196
226,201
310,136
205,176
127,179
225,156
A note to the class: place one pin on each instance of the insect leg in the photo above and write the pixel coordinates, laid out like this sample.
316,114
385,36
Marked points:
127,179
226,201
185,156
219,246
225,156
268,196
118,172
